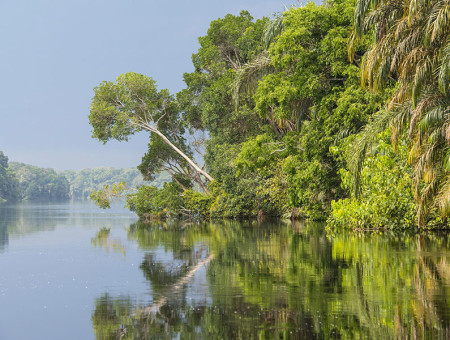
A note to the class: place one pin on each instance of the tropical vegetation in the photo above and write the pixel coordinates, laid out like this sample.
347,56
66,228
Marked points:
336,111
20,181
9,186
39,184
24,182
85,181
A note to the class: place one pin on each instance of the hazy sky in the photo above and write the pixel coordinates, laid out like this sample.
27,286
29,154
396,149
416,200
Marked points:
53,52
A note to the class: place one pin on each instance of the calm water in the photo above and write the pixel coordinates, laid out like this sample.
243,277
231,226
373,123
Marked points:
73,271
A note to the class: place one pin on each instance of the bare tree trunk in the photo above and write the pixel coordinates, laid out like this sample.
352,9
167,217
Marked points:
176,287
194,166
181,153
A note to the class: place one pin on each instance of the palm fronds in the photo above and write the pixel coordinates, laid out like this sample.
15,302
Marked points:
412,47
247,76
365,139
272,30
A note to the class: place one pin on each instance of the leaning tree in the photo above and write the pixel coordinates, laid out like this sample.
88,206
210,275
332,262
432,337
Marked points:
132,104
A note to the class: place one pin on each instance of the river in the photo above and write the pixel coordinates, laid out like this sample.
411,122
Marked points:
74,271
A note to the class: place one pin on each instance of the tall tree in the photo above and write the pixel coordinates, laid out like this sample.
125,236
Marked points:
39,184
133,104
230,43
412,47
311,99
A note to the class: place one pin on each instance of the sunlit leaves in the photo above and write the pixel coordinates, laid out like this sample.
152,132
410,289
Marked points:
120,109
411,48
103,197
386,199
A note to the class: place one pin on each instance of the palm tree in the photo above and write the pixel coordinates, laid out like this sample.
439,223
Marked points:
247,76
412,48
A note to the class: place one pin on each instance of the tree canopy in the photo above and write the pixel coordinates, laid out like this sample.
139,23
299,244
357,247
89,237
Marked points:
84,182
38,184
9,186
132,104
412,49
295,111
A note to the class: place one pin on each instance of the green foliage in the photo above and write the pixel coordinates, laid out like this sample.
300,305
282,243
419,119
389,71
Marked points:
117,108
234,191
198,205
257,153
280,99
243,203
310,57
386,199
262,158
411,46
38,184
312,100
9,186
207,102
157,203
272,190
307,181
308,102
132,104
104,196
84,182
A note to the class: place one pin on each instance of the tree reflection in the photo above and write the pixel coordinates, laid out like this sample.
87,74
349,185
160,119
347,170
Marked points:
23,219
284,281
103,240
5,221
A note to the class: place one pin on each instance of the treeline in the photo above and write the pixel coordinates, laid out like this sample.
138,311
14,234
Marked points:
24,182
27,182
9,185
84,182
338,112
39,184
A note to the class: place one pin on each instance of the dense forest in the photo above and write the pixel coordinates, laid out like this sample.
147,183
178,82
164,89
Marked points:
9,186
84,182
24,182
337,111
39,184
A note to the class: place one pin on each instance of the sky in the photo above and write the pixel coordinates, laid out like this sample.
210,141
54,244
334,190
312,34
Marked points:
54,52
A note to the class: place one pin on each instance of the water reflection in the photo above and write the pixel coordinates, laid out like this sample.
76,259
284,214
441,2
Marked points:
23,219
102,239
274,280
